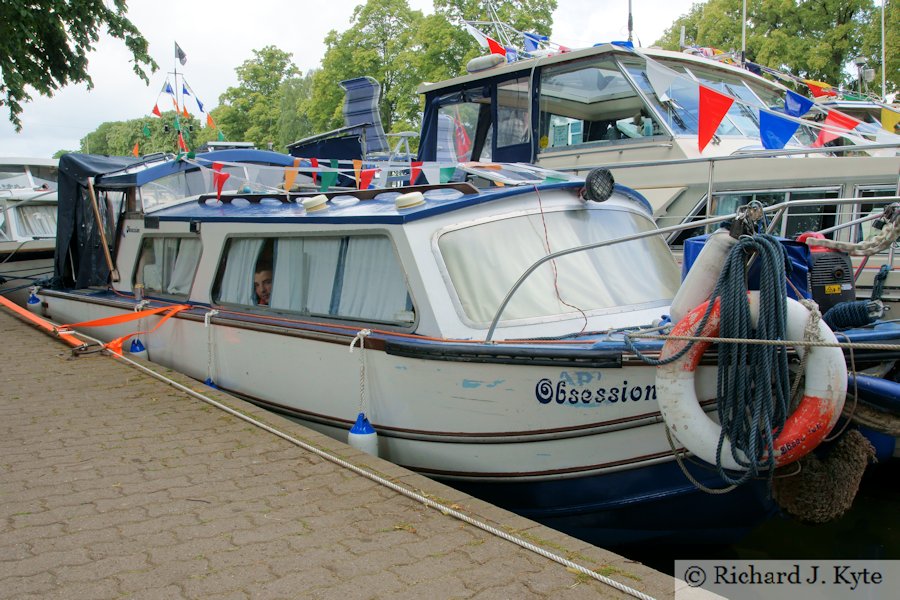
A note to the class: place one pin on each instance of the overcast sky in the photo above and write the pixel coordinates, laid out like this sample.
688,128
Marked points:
219,36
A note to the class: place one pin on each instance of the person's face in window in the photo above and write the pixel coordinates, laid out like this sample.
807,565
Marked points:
262,285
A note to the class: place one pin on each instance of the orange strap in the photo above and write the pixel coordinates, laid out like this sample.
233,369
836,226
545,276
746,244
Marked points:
115,345
41,323
117,320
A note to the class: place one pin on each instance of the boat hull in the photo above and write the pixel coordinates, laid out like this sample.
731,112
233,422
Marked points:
21,267
534,440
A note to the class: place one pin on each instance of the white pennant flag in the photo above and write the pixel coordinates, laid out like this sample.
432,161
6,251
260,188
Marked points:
660,77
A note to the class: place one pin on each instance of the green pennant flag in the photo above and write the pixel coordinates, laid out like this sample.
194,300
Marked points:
447,173
329,179
146,131
554,180
177,124
221,137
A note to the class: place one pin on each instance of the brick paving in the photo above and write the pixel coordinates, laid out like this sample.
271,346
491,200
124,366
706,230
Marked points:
116,485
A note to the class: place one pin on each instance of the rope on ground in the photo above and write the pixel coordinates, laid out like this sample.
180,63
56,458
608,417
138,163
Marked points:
386,483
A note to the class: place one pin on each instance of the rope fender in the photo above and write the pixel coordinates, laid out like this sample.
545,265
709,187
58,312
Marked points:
817,413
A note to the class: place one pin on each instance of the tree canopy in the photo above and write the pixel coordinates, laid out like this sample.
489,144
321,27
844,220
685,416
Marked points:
44,45
813,39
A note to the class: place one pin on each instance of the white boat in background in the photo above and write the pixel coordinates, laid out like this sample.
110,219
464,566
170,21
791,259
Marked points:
598,107
534,400
27,223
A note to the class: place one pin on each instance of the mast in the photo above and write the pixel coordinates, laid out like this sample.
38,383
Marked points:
744,36
630,21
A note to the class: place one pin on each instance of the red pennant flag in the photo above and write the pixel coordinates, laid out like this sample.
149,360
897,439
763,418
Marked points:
365,178
495,47
315,163
175,102
818,91
156,110
219,178
713,107
834,119
181,143
135,151
415,167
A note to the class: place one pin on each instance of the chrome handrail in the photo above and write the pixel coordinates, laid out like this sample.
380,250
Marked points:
781,206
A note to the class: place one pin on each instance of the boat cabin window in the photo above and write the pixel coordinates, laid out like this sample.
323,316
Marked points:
167,265
590,100
512,113
793,222
354,277
866,231
44,176
458,117
14,177
483,265
37,220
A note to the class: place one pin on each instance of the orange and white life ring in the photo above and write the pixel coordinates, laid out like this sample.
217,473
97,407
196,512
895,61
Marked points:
823,394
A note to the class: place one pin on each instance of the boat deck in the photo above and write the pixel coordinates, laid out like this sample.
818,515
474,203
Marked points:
116,484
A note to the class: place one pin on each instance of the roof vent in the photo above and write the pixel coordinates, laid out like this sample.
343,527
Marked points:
315,203
409,200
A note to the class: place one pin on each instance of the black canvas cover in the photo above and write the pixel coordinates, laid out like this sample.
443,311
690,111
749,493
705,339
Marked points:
79,259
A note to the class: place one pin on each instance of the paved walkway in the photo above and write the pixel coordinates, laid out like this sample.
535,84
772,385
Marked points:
116,485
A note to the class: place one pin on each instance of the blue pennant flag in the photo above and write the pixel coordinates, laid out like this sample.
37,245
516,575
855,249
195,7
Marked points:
796,105
184,90
169,89
199,104
774,130
532,40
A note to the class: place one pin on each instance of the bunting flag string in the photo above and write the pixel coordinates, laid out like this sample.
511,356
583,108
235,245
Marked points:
155,110
796,105
365,178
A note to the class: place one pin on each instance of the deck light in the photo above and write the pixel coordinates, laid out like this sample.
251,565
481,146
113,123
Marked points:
598,185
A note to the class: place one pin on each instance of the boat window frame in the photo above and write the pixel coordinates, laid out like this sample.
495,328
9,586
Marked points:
697,213
879,190
664,135
149,236
256,309
471,323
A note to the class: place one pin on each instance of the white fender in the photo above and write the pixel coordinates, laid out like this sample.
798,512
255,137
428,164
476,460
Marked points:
823,394
701,280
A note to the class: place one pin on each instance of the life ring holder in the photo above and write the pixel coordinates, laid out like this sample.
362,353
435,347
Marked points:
823,395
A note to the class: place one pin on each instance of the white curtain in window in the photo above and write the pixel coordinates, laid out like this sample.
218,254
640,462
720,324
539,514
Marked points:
237,280
373,285
157,270
184,268
303,280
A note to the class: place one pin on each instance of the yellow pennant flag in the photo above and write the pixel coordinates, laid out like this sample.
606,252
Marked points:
357,167
889,119
290,174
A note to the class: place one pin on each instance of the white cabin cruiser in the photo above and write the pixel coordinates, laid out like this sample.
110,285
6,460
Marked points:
601,107
534,401
27,223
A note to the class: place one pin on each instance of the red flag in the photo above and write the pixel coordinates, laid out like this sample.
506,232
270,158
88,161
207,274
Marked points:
135,151
495,47
315,163
818,91
834,119
156,110
181,143
713,107
365,178
219,178
415,167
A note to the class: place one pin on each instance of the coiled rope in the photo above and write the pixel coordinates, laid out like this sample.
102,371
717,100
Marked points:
753,382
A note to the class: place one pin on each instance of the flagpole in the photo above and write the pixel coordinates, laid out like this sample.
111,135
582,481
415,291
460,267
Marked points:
883,65
175,65
744,37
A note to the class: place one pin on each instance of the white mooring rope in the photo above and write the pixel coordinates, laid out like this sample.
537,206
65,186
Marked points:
386,483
